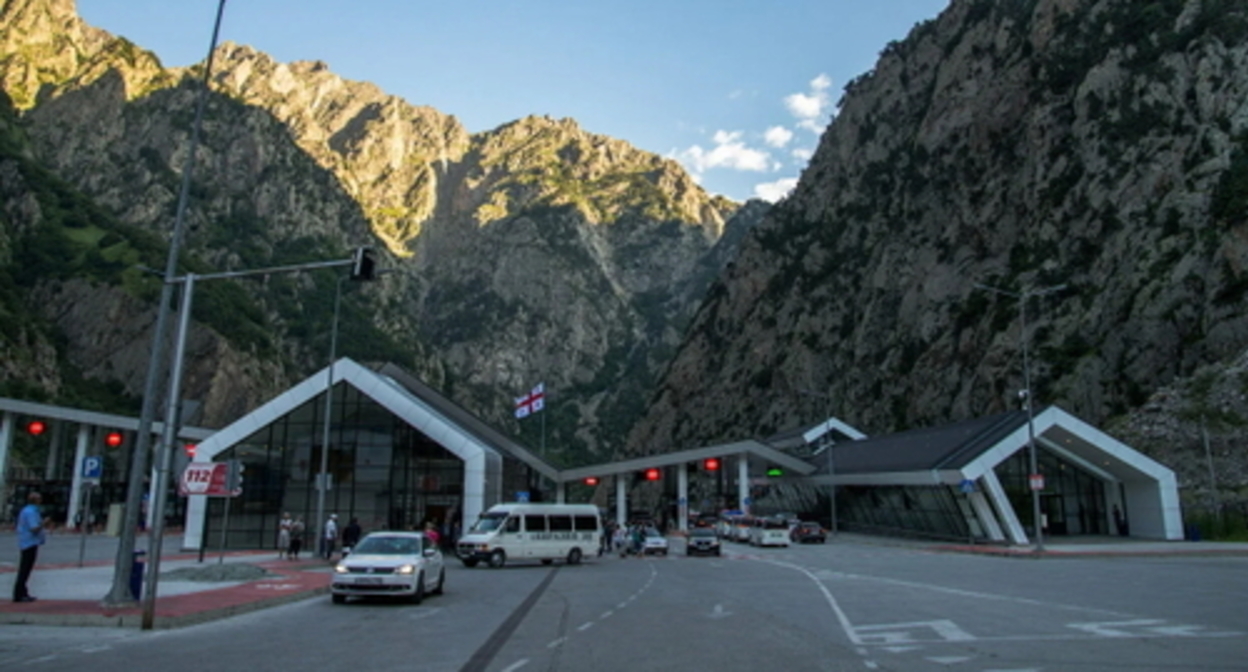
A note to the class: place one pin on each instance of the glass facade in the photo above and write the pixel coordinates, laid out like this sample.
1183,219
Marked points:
381,470
927,510
1073,501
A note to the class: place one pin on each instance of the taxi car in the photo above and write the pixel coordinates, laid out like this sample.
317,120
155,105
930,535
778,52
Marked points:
396,564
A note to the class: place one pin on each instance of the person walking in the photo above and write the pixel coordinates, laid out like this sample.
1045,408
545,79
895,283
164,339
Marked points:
351,534
330,537
31,534
283,536
296,538
431,532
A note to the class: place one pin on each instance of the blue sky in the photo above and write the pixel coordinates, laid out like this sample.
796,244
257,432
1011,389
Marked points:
736,90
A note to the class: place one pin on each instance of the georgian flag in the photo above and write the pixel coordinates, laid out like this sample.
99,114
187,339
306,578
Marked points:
531,403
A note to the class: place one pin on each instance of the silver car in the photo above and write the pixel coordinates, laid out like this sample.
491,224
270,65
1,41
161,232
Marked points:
397,564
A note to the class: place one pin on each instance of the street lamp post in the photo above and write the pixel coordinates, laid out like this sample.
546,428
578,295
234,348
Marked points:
1025,394
827,443
322,479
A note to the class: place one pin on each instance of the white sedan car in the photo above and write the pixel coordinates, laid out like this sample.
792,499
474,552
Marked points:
400,564
654,543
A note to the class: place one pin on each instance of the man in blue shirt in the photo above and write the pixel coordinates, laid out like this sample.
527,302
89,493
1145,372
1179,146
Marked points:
30,535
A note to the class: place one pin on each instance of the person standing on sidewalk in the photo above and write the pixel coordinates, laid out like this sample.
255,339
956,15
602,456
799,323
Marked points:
283,536
296,539
330,537
30,536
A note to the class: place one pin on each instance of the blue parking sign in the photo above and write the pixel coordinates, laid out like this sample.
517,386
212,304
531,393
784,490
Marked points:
92,466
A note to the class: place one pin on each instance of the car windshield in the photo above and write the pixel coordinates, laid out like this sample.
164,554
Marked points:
387,545
653,532
489,522
701,532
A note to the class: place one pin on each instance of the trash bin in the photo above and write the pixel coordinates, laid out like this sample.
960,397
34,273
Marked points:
136,574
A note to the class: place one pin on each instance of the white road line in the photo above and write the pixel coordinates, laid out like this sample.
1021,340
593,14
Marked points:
977,594
44,659
827,595
516,665
585,626
621,605
557,643
607,613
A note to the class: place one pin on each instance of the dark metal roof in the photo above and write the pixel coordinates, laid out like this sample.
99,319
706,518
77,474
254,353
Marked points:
944,447
466,421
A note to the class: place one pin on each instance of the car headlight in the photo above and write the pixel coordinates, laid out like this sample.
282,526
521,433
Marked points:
405,569
340,568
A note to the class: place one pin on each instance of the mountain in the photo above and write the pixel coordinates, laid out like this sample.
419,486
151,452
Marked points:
1099,146
537,251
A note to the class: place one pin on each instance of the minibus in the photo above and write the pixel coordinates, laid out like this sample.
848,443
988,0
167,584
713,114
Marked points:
525,531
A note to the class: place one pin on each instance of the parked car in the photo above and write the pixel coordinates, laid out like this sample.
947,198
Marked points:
702,540
655,543
396,564
809,533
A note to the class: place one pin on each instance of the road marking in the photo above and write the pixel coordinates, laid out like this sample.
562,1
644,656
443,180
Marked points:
901,633
516,665
827,595
607,613
949,660
825,574
719,612
1147,627
44,659
557,643
585,626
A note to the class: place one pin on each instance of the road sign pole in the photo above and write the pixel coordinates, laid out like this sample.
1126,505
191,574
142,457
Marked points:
84,514
225,526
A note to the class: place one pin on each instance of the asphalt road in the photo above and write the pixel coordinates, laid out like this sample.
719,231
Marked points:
844,606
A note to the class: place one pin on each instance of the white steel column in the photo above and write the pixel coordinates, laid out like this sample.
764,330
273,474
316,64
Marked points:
621,501
682,496
985,515
6,443
743,482
75,490
51,472
561,493
996,494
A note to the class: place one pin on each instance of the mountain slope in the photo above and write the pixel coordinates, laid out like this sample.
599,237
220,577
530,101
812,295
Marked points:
1097,145
536,251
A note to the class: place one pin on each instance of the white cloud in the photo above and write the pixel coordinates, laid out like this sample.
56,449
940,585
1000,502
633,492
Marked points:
777,136
809,108
774,191
729,152
802,153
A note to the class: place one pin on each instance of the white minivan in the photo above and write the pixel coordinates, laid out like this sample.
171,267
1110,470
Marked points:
520,531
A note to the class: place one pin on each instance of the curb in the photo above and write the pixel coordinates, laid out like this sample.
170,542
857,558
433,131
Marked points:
132,617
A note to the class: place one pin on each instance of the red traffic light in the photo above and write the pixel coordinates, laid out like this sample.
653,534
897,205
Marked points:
190,450
591,480
652,474
36,427
710,463
112,439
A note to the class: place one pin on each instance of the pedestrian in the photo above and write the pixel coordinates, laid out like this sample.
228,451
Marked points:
351,534
1120,521
283,536
431,532
639,540
330,537
296,538
620,537
31,534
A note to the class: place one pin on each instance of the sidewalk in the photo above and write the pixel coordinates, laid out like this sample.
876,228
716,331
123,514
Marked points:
69,595
1068,547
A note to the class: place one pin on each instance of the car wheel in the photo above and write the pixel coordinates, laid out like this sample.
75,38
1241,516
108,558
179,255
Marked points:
546,561
469,562
418,595
441,583
339,599
574,556
498,558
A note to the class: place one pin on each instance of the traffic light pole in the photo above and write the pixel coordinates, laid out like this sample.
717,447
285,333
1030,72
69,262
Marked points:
165,448
167,438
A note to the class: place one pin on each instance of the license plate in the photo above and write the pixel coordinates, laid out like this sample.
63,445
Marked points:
368,581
